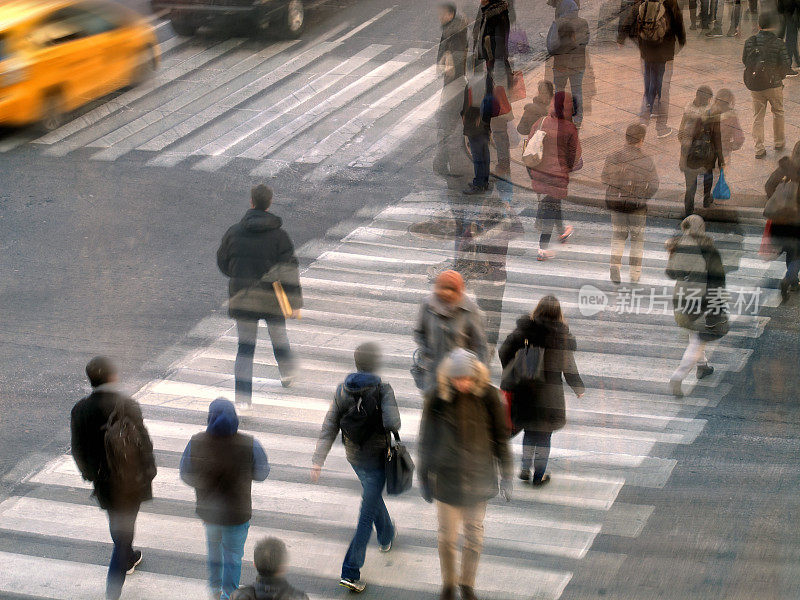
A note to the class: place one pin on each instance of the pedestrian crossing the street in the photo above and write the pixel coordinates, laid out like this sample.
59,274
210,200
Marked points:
367,285
270,106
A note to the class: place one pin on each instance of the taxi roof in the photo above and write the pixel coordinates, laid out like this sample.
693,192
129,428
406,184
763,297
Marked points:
14,12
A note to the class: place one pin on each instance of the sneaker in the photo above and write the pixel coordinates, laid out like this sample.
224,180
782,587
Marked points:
761,154
545,255
615,275
714,33
525,474
543,481
243,407
351,584
467,593
568,231
473,190
388,547
707,202
704,371
792,73
287,380
733,32
675,388
136,560
664,133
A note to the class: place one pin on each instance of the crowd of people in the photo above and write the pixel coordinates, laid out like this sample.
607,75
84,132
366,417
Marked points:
464,457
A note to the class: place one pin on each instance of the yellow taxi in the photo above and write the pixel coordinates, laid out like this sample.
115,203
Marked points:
57,55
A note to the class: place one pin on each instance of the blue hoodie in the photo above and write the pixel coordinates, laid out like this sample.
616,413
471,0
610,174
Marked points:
222,418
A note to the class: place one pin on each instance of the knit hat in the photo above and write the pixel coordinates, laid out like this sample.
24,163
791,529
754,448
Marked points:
368,357
693,225
451,279
461,363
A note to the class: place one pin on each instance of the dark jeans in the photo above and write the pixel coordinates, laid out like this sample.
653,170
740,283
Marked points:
575,79
247,330
653,80
792,261
479,146
791,39
547,217
373,512
536,450
736,15
121,523
705,14
717,12
691,188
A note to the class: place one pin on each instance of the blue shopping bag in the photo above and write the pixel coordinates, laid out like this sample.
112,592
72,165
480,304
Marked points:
721,190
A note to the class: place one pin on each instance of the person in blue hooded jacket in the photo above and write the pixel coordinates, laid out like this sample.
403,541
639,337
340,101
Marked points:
367,458
221,464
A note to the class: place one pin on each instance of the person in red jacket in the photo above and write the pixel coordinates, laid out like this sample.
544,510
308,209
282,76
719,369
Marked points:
550,178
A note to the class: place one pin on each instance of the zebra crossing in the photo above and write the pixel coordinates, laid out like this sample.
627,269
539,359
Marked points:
305,103
366,284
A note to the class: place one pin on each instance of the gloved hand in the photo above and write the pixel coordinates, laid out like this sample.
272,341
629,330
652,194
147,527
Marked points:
425,490
506,486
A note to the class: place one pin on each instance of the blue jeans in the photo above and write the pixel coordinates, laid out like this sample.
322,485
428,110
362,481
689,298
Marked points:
121,523
373,512
653,80
225,545
247,330
575,87
479,147
536,450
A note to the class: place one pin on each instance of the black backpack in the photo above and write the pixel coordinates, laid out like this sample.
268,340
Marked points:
363,419
128,468
701,148
757,74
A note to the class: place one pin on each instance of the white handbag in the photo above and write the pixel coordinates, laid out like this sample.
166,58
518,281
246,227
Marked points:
533,150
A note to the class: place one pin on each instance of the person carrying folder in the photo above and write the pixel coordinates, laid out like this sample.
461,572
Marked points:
259,258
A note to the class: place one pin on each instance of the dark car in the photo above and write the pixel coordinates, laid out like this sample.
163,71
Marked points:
285,18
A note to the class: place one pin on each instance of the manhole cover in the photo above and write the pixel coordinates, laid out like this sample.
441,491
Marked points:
441,227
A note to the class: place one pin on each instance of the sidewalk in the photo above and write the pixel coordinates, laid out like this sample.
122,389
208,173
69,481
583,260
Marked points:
613,92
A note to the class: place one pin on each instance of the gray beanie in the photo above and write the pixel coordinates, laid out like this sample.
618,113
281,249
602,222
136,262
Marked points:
368,357
461,363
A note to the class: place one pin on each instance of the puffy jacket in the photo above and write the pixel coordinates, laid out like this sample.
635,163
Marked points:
87,420
463,439
655,52
269,588
373,451
252,248
631,177
545,408
220,464
562,149
773,52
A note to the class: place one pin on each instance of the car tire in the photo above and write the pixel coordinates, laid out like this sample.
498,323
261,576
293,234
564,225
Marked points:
290,23
183,27
53,111
145,66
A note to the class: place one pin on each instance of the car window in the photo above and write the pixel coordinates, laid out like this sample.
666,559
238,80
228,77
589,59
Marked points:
73,23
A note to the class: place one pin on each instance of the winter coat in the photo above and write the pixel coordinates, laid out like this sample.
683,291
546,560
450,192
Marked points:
773,52
220,464
785,233
570,54
269,588
442,328
252,248
537,108
655,52
693,120
373,452
631,179
87,420
453,48
543,408
490,32
462,440
562,149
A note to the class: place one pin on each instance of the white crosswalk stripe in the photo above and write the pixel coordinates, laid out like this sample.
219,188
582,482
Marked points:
367,285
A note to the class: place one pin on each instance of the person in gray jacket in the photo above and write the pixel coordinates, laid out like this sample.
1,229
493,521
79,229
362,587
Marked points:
448,319
364,409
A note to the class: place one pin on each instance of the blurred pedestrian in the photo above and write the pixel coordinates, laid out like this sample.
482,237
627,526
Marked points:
656,26
731,132
540,409
490,39
736,19
538,107
477,129
699,299
113,451
561,155
790,12
567,46
448,319
270,558
221,464
255,253
701,147
364,409
786,236
463,438
766,63
631,179
716,15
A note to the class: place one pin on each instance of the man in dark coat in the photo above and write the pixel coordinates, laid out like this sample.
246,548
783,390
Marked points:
463,438
658,57
120,494
254,253
490,36
221,464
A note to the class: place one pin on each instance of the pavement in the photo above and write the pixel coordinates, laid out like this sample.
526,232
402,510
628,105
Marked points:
613,92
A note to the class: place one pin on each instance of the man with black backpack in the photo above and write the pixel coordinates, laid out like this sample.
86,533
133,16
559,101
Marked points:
655,25
112,449
631,179
364,409
766,63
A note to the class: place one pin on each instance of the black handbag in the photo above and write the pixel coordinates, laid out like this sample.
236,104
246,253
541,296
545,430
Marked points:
399,467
